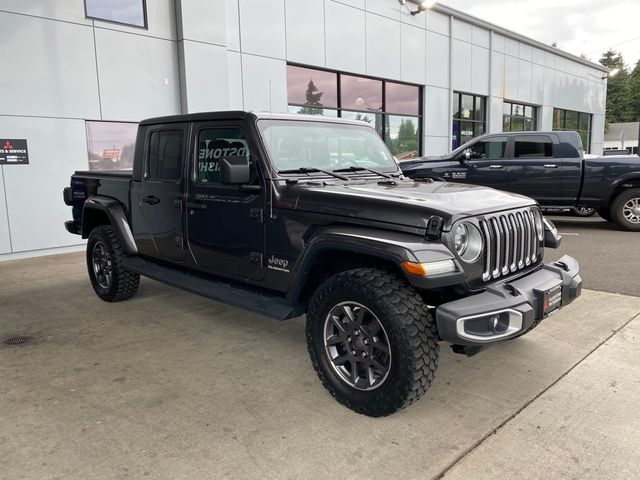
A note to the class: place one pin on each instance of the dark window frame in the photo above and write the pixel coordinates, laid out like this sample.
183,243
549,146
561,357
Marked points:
382,111
132,25
458,137
563,125
534,118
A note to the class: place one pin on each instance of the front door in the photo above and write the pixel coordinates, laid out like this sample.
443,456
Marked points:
486,167
225,223
162,191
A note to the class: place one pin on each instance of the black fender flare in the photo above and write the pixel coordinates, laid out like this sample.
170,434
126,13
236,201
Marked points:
390,246
114,211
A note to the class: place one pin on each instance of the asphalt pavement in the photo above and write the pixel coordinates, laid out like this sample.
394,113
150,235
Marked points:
609,257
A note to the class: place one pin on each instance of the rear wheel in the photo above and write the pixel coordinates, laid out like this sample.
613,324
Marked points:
110,281
625,211
372,341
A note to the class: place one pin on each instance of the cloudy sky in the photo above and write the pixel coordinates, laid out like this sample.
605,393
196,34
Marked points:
578,26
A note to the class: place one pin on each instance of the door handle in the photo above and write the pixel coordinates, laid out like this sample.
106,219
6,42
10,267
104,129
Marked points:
151,200
196,206
495,167
550,165
178,204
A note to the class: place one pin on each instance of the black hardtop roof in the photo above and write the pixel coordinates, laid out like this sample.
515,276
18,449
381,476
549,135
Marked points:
241,115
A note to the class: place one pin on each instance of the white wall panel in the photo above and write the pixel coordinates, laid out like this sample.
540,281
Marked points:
264,83
305,32
5,242
538,56
413,59
53,70
437,22
462,30
495,109
498,75
545,121
384,8
526,52
537,84
597,134
234,76
480,70
161,21
138,76
512,47
353,3
437,55
436,113
549,60
205,77
202,21
549,94
383,47
498,43
462,68
511,78
67,10
262,27
480,37
345,30
524,81
232,25
436,145
56,149
415,20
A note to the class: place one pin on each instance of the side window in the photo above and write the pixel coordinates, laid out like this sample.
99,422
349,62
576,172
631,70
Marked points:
214,144
533,147
490,149
165,155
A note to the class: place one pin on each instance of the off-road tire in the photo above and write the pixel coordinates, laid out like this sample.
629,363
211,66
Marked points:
123,284
617,209
604,213
411,332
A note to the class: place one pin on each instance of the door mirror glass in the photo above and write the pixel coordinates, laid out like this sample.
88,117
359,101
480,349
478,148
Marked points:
235,170
467,154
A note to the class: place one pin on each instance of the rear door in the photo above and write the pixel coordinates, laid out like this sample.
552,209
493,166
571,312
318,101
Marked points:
225,226
486,165
162,191
533,170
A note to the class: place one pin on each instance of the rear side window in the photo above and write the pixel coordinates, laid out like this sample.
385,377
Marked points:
165,155
213,145
537,146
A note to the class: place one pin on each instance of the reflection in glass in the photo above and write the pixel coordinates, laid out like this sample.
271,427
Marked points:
467,107
130,12
357,93
111,145
323,112
401,98
312,88
518,117
402,136
574,121
372,118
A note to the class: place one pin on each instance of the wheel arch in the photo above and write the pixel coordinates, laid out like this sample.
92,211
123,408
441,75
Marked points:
624,183
101,210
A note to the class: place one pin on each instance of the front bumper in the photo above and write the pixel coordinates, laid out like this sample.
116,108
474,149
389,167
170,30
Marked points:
516,306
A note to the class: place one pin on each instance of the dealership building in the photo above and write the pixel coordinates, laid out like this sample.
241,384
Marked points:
78,74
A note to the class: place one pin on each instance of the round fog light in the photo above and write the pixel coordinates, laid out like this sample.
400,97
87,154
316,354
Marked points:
499,323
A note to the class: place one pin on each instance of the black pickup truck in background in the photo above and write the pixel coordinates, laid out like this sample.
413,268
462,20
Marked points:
549,167
284,215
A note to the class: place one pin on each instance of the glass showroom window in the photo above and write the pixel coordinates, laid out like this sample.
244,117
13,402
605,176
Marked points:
127,12
574,121
519,118
111,145
393,109
469,117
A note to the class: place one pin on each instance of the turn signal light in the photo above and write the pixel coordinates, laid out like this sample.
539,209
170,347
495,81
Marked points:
429,268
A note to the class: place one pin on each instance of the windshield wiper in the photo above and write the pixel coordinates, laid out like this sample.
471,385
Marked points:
307,171
362,169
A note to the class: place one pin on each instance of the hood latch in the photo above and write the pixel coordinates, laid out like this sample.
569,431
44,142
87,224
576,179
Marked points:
434,228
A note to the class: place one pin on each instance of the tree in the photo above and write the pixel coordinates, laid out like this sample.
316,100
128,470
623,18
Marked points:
619,108
407,140
312,105
634,92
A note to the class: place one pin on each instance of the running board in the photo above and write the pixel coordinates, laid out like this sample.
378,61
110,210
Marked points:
245,297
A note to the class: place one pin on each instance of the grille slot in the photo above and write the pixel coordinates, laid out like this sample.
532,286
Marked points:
510,243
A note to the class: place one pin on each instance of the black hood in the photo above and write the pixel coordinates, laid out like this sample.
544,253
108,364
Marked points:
404,203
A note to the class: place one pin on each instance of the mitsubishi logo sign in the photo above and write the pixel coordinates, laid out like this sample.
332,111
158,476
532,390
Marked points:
13,152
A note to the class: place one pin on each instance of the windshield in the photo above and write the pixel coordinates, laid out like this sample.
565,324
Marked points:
295,144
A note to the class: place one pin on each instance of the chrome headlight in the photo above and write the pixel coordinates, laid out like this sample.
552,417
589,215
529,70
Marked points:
537,218
468,242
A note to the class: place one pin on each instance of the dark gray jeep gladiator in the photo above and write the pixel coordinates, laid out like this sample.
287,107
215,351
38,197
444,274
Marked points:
285,215
548,166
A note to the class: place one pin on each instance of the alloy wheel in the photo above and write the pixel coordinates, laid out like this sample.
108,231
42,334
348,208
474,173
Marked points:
102,264
631,210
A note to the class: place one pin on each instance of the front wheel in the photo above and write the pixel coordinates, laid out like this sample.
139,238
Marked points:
372,341
110,281
625,211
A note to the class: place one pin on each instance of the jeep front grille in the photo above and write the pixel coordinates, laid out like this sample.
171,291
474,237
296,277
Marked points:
510,242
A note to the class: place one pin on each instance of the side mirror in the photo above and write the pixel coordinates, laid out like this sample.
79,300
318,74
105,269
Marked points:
468,154
235,170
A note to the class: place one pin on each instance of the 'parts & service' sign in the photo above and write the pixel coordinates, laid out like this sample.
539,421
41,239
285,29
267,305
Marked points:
13,152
